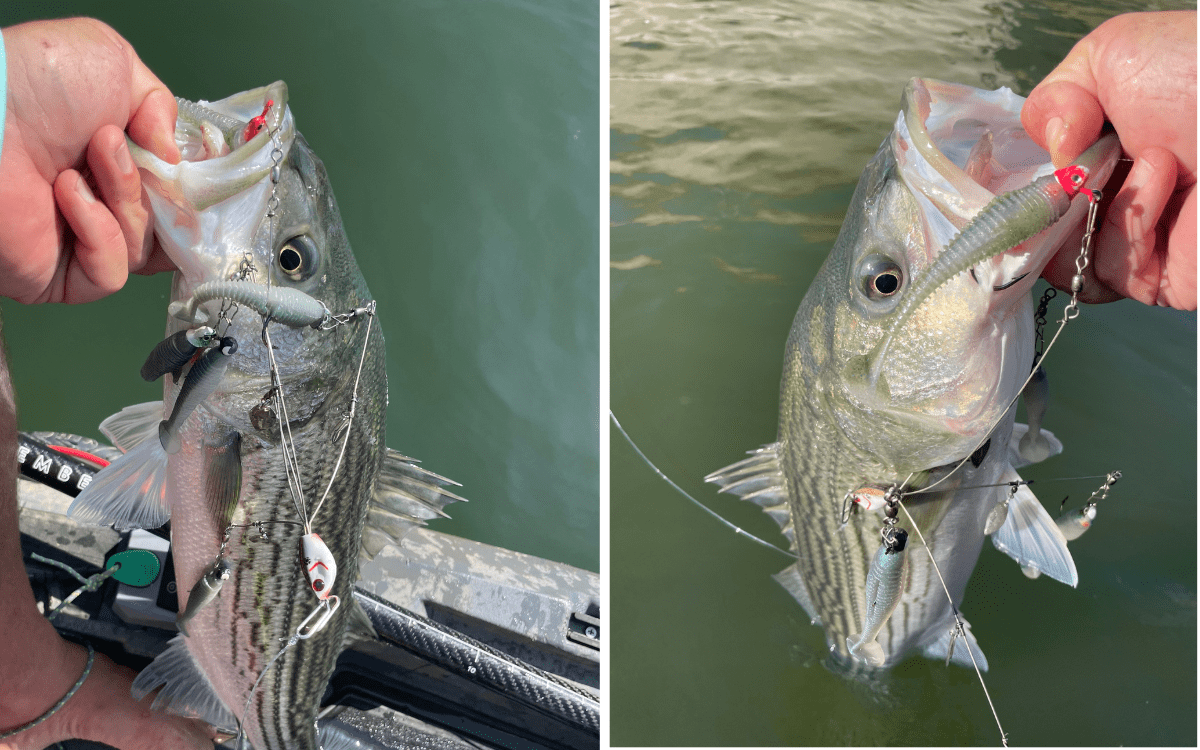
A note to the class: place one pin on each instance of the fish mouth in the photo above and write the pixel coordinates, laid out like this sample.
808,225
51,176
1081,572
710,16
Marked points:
960,360
226,170
957,148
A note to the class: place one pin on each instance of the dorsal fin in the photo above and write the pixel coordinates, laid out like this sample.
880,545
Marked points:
133,424
406,495
759,479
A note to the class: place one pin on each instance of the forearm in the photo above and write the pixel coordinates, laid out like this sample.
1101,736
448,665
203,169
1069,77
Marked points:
34,655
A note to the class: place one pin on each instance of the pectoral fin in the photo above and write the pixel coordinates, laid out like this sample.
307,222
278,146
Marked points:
1032,538
223,477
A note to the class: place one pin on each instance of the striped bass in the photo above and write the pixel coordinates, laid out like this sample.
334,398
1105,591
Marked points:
877,392
287,444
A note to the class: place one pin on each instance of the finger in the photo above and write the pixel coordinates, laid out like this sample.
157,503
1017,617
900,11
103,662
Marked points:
99,265
1178,288
1129,258
1063,116
120,188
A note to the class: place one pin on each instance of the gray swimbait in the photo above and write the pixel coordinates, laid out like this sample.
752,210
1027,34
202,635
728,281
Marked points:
284,305
201,381
175,351
885,584
1034,445
205,590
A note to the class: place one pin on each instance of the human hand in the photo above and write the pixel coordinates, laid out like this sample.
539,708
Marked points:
102,710
74,87
1138,71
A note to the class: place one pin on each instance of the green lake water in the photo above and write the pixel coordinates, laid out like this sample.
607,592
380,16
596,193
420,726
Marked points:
738,132
462,142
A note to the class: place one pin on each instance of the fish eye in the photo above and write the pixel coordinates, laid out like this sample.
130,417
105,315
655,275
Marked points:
297,258
881,277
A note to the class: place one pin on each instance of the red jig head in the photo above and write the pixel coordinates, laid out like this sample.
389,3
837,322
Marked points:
319,565
1072,178
256,123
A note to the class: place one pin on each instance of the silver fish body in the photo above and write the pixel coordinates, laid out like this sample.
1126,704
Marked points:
942,393
261,606
251,222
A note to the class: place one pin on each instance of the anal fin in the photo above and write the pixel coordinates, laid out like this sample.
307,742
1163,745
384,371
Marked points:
790,579
939,649
186,691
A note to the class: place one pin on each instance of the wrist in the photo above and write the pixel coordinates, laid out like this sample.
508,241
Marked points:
38,672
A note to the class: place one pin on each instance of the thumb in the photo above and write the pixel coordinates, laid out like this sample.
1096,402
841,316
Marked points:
152,108
1063,113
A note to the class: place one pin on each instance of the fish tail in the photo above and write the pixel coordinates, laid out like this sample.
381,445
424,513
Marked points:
130,493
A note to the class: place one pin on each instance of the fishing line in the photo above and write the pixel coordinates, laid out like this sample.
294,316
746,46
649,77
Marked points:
290,463
370,313
1011,484
701,505
961,627
246,708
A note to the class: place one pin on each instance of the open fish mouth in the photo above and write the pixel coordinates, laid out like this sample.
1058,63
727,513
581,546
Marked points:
217,195
957,148
951,358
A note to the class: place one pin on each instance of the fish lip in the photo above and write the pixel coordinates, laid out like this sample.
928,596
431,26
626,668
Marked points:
181,192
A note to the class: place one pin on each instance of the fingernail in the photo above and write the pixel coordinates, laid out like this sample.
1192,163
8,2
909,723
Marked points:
84,191
124,160
1055,133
